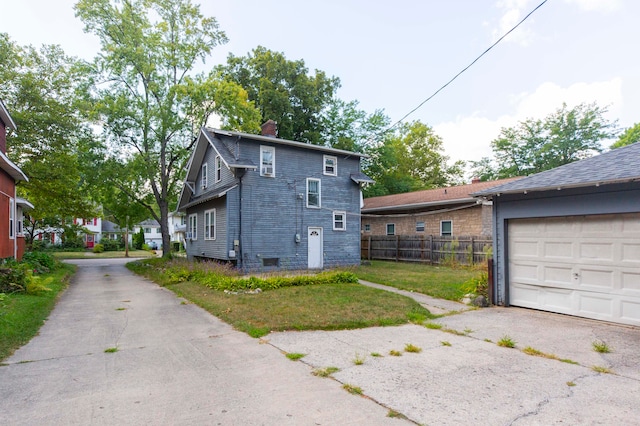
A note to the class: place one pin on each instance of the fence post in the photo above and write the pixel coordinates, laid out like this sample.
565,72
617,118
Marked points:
473,253
397,247
431,249
369,247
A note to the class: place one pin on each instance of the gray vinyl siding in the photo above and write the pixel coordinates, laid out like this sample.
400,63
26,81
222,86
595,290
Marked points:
274,209
605,199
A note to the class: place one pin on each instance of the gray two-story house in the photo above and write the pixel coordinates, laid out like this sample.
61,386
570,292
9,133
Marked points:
265,203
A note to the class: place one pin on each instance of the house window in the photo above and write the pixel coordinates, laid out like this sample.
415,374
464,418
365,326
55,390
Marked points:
218,168
12,212
330,165
367,227
147,230
313,193
204,176
391,229
267,161
446,228
339,221
419,226
193,227
183,220
210,224
20,225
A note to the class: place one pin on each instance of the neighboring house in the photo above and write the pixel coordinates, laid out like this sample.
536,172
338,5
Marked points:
177,226
450,211
568,240
11,207
152,233
267,203
94,230
112,231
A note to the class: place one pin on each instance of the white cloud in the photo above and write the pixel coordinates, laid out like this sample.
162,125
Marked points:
597,5
469,138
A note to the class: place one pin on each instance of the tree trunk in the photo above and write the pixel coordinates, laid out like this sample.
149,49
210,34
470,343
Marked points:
164,228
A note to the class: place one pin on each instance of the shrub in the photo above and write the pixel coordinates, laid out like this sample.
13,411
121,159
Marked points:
13,277
111,245
98,248
39,262
138,239
478,285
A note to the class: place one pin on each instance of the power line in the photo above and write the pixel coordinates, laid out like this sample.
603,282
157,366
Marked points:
466,68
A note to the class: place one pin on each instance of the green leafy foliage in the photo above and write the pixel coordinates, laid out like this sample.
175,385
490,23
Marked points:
628,136
98,248
534,145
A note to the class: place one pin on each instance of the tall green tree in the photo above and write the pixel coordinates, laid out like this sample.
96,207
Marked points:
410,159
46,92
150,102
284,91
565,136
344,126
628,136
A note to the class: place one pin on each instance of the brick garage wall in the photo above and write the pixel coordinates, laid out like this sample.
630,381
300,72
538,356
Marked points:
470,221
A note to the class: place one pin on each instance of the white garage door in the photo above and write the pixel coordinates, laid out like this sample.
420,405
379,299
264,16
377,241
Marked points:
587,266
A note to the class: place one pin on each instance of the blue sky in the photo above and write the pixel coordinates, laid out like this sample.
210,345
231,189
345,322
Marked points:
393,55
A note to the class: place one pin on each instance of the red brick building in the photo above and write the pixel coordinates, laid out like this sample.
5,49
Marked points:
11,238
447,211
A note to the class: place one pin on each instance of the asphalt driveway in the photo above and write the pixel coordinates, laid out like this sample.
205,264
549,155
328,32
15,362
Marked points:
176,364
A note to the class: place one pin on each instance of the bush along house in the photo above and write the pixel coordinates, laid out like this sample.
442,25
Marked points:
265,203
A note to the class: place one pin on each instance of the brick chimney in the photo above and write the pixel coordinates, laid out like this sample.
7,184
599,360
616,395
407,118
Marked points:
475,180
270,128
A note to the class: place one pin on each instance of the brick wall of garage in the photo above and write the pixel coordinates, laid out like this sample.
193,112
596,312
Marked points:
470,221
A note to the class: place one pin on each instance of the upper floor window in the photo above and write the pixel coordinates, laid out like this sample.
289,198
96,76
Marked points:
419,226
147,230
313,193
339,221
330,165
193,227
446,228
204,176
218,165
210,224
267,161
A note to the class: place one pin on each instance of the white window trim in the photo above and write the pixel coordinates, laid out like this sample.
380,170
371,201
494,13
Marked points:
424,225
319,193
367,227
386,228
12,217
209,213
263,170
441,222
324,165
218,167
204,178
344,220
193,226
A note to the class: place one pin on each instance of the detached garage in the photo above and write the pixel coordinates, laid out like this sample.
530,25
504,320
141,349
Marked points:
568,240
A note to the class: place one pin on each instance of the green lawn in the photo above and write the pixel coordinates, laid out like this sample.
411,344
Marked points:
22,315
305,307
438,281
103,255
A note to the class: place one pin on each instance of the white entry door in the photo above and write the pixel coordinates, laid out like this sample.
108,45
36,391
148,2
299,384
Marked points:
315,247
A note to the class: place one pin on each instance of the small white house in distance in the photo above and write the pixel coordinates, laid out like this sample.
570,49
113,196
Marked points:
177,226
152,234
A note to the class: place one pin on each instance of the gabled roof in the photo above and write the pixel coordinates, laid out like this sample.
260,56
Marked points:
430,197
213,138
615,166
148,222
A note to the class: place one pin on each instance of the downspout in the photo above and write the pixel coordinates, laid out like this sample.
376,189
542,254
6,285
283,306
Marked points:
241,173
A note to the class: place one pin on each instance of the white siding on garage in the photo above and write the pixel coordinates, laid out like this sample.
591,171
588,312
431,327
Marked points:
587,266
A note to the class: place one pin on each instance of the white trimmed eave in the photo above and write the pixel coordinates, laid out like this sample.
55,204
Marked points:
555,187
6,117
13,170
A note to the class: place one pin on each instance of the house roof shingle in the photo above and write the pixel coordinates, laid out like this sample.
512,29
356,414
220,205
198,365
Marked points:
425,198
618,165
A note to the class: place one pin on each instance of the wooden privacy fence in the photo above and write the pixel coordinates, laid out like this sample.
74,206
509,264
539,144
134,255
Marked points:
426,248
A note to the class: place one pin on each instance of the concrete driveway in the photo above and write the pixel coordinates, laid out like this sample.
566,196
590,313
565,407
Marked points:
176,364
